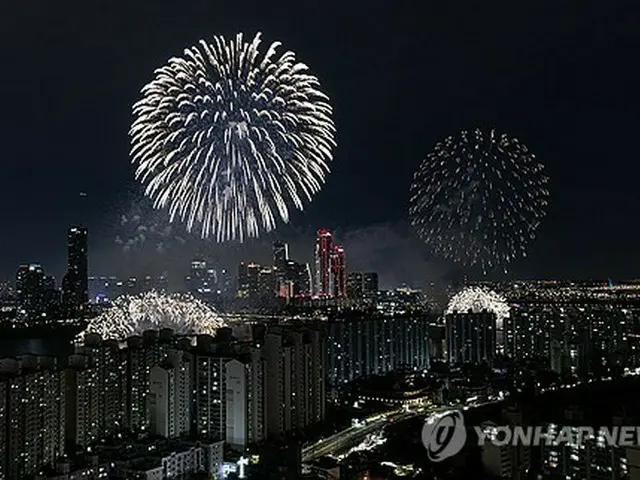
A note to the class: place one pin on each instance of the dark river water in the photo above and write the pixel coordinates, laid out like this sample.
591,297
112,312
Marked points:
57,346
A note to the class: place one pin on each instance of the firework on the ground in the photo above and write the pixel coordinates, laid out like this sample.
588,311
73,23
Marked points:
477,300
231,136
133,314
479,198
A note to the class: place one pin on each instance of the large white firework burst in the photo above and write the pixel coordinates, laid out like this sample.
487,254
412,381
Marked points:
478,199
478,299
133,314
230,136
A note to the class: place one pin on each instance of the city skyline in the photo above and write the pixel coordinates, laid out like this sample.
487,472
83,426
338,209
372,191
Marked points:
509,88
286,240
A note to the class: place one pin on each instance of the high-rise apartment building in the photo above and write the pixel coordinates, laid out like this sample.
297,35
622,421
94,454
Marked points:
471,337
33,415
170,395
295,379
210,410
360,348
245,400
230,396
505,460
143,353
96,380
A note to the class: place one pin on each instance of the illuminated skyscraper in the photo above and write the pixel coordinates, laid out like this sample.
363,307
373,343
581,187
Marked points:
370,285
354,285
75,291
338,271
280,255
280,260
203,281
253,280
323,285
243,280
30,288
299,278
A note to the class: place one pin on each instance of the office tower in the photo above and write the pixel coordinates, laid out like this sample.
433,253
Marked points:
355,285
170,402
202,281
370,285
96,391
243,280
280,258
75,291
362,285
225,282
323,286
7,290
267,282
245,400
281,269
99,289
471,337
34,416
299,278
295,368
30,289
338,271
368,346
253,281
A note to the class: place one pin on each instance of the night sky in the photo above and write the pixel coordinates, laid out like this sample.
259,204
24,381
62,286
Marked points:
560,76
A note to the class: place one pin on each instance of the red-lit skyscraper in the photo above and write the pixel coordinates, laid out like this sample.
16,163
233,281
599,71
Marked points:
338,271
323,286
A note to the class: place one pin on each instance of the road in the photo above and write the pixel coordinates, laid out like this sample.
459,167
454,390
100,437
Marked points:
352,436
342,441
